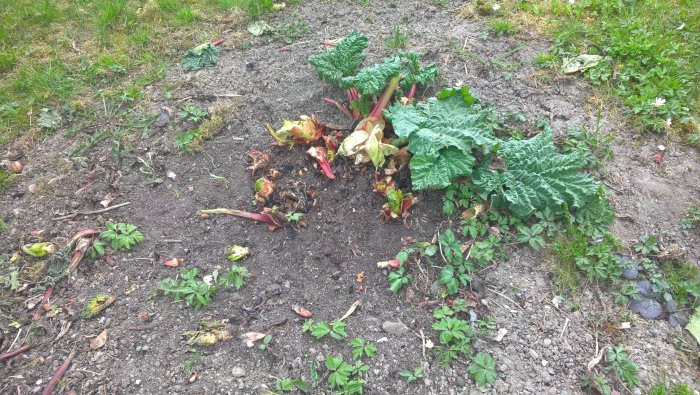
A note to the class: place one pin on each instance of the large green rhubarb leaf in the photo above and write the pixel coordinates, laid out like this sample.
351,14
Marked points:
442,135
438,171
533,176
413,73
341,60
205,55
372,80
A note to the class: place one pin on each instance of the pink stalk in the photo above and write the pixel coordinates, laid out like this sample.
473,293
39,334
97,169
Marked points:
340,107
319,153
45,299
412,92
328,44
239,213
218,41
80,234
386,97
59,373
15,353
355,94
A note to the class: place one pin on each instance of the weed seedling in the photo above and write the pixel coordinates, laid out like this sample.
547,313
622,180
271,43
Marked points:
122,236
398,278
398,39
483,369
235,277
361,347
192,113
647,245
501,27
320,329
412,376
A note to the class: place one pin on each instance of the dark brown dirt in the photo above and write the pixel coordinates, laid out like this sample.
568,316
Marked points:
546,349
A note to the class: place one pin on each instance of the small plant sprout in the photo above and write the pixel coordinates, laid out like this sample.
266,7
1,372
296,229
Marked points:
320,329
122,236
647,245
412,376
483,369
360,347
265,342
192,113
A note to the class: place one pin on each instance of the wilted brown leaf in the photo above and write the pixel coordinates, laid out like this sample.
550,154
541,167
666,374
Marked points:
99,341
250,338
301,311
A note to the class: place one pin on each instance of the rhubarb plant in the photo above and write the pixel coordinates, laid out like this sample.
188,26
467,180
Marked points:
340,64
444,135
532,175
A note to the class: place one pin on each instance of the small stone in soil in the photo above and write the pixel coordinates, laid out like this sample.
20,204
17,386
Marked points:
647,308
238,372
678,320
644,288
671,306
630,273
395,328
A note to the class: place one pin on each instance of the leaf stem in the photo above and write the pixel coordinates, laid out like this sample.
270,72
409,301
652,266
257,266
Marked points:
386,97
340,107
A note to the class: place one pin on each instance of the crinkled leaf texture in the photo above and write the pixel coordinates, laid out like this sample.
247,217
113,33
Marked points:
442,135
205,55
536,177
413,73
372,80
341,60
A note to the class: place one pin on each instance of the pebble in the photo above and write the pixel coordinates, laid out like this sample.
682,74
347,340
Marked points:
646,308
677,320
545,362
534,354
238,372
671,306
630,273
644,288
395,328
547,342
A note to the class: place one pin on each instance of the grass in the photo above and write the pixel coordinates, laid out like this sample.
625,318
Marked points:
650,49
85,56
398,39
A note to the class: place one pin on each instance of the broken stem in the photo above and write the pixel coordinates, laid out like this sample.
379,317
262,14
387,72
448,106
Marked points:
15,353
59,373
239,213
45,299
340,107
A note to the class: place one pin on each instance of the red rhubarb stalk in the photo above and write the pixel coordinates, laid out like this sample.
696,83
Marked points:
218,41
59,373
80,249
386,97
340,107
412,92
15,353
319,153
45,299
239,213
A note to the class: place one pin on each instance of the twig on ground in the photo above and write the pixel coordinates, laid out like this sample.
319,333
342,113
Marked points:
422,337
104,210
59,373
15,353
284,49
506,298
566,323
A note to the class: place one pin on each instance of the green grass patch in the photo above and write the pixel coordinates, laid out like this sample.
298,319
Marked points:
650,53
75,54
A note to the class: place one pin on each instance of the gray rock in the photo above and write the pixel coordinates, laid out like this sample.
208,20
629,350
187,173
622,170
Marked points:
547,342
647,308
395,328
671,306
677,320
644,288
238,372
534,354
630,273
